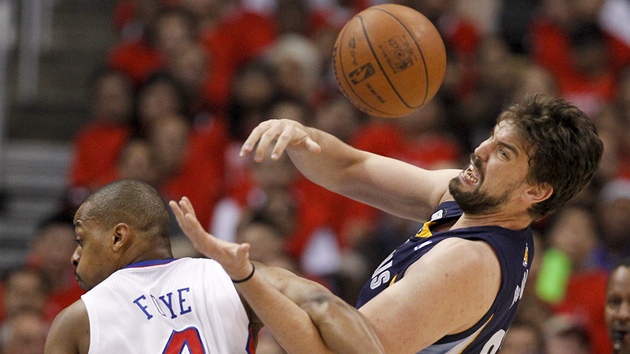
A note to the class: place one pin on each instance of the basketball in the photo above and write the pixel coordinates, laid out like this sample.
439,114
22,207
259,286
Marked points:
389,60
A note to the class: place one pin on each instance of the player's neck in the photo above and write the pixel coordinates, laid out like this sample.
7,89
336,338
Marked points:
154,254
507,221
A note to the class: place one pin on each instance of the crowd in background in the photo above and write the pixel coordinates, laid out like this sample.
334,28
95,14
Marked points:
188,79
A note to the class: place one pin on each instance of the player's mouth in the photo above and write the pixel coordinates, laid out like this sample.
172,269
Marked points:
618,336
470,175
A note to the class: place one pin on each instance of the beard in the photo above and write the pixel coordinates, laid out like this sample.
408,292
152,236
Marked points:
476,202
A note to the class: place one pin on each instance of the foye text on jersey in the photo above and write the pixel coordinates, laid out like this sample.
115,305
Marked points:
171,304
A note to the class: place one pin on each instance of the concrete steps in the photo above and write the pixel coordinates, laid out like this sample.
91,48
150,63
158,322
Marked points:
36,146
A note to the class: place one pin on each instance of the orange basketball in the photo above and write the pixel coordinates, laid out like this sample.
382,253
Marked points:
389,60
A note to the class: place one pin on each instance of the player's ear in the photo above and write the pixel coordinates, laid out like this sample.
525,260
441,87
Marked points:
539,193
120,237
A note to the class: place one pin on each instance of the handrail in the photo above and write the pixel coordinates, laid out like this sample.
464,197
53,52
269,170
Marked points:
6,42
31,18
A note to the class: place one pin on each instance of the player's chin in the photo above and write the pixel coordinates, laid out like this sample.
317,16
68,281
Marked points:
81,283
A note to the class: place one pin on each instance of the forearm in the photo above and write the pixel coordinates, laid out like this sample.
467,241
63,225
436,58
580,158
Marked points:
291,326
332,166
393,186
342,327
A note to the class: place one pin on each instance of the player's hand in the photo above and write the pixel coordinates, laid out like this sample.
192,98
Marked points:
284,132
233,257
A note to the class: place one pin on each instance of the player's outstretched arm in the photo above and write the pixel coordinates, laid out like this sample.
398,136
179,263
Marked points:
388,184
289,322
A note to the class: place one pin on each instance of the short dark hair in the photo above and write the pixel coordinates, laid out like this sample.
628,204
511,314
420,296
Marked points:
563,147
623,262
132,202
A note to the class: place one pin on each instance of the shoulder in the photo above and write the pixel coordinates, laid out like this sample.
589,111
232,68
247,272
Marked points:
70,331
460,261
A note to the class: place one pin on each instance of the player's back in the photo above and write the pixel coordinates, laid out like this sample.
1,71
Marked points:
168,306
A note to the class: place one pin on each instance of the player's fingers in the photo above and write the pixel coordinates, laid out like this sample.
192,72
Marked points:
194,224
187,206
254,138
179,214
272,133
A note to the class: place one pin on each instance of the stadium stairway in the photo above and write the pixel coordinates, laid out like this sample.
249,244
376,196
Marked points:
36,146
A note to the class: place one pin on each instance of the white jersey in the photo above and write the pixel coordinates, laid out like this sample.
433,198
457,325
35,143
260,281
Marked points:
168,306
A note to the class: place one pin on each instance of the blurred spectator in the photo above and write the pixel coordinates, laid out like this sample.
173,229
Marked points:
162,40
191,69
617,311
419,138
159,96
131,18
613,210
524,337
462,36
622,109
135,162
307,210
460,33
169,139
514,19
266,230
174,31
566,335
532,78
614,18
25,333
183,166
612,132
50,251
496,72
567,40
337,116
289,107
24,289
97,146
297,64
232,36
254,88
581,285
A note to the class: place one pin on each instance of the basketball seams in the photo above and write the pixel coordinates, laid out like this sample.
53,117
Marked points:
373,42
426,72
424,62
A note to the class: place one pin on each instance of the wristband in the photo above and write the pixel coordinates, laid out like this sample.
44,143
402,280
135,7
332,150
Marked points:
246,278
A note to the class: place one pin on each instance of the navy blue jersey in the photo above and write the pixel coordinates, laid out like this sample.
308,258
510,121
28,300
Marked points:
515,250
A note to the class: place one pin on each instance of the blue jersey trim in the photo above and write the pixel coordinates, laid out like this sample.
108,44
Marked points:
149,263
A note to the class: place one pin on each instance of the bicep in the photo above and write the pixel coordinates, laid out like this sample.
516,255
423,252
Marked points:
436,297
70,331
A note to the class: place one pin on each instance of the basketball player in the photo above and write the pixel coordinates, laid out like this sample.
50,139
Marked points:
617,312
454,286
140,299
